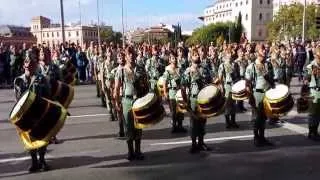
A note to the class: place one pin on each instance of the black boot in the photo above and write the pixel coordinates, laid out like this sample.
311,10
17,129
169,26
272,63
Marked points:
228,124
42,161
202,146
121,128
233,121
181,129
313,133
263,140
194,148
130,150
35,165
138,154
241,107
256,140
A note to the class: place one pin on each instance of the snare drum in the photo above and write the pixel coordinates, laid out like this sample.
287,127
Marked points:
181,105
160,83
37,120
210,101
62,92
239,91
278,101
147,111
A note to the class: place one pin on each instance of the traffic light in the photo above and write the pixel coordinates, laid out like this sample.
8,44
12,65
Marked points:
318,22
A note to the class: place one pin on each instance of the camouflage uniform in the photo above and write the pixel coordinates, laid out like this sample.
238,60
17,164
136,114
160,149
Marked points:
152,68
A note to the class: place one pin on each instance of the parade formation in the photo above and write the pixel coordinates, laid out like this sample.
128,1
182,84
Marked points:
136,81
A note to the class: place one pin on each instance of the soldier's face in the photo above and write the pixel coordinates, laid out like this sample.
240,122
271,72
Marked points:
173,60
30,67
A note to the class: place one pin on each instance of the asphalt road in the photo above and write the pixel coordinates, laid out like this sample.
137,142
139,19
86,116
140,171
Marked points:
91,149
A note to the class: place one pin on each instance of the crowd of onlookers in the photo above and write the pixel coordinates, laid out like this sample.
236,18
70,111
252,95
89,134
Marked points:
11,57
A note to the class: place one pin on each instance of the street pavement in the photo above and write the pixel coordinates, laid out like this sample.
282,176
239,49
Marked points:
91,149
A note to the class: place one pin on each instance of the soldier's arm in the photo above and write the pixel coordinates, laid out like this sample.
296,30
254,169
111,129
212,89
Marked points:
117,87
18,89
165,85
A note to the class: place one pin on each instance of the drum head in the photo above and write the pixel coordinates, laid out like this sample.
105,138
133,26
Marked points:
279,92
18,106
179,95
207,93
239,86
144,101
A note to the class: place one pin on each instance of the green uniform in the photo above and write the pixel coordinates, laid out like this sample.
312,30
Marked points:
279,69
99,68
173,80
39,85
129,91
152,68
261,80
183,64
208,70
314,109
108,71
230,73
194,81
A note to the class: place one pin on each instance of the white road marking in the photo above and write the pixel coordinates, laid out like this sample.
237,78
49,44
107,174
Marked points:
295,128
206,140
88,115
8,160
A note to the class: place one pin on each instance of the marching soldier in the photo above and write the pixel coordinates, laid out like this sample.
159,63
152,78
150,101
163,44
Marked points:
125,79
312,78
194,81
207,66
152,68
99,56
259,78
183,62
228,74
242,63
172,78
36,82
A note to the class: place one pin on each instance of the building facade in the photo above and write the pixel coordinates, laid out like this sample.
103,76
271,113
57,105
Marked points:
51,34
255,15
278,3
16,35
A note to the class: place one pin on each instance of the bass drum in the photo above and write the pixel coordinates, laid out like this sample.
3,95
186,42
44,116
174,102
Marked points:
278,101
239,91
160,85
70,79
69,68
37,120
62,92
147,111
210,101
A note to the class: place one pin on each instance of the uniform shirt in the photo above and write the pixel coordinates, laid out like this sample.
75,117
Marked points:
37,84
229,72
279,68
314,79
242,63
193,80
152,68
183,64
259,75
127,80
51,71
208,70
172,79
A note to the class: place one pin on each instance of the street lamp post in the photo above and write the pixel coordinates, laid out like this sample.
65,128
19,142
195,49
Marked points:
62,22
304,21
98,27
123,36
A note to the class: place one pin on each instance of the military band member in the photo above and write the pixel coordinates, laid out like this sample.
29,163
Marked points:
242,64
36,82
100,58
207,66
125,79
194,81
228,74
152,68
173,80
312,78
259,78
183,62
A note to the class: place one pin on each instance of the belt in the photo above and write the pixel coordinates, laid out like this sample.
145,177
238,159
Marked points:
229,83
194,95
128,97
276,80
316,88
173,88
260,90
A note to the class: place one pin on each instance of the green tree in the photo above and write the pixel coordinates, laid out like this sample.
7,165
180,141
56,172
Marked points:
287,23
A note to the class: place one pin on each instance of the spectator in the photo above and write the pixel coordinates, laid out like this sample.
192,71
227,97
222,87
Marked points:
82,63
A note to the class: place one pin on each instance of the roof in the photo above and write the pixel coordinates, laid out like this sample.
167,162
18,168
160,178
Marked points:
10,30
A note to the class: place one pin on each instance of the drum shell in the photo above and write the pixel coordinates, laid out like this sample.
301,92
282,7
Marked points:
240,96
212,109
150,114
274,109
62,92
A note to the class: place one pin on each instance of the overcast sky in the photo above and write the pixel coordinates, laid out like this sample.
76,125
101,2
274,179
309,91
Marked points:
138,13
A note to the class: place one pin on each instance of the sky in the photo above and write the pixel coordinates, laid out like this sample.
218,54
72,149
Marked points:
137,13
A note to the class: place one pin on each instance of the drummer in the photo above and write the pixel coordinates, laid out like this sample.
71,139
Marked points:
228,74
259,79
194,81
124,80
36,82
152,68
312,78
172,78
242,63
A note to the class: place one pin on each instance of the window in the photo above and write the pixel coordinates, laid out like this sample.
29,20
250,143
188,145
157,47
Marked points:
268,1
260,16
246,16
236,4
77,33
240,3
247,2
261,1
260,32
58,35
52,34
48,35
69,34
